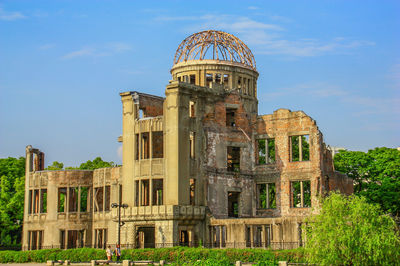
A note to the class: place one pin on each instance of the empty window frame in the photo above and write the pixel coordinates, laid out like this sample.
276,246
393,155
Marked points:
62,199
107,202
35,240
266,196
233,159
98,199
84,199
145,146
73,199
230,117
192,112
192,79
192,144
301,194
43,200
299,148
100,238
192,191
137,193
62,239
137,147
158,191
226,80
266,151
239,83
233,204
218,78
144,199
209,79
158,144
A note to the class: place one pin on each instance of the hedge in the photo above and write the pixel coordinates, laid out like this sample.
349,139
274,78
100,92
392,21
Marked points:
177,255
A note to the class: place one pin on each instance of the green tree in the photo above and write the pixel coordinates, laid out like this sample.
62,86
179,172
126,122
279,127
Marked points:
350,231
376,175
55,166
12,189
95,164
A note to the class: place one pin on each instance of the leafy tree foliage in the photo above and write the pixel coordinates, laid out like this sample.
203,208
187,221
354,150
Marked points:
55,166
95,164
376,175
12,189
350,231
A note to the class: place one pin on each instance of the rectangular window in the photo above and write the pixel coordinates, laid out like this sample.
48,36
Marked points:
107,198
233,162
192,144
30,202
299,148
266,151
192,112
157,191
62,239
100,238
226,79
218,78
43,200
192,191
35,240
145,193
145,145
62,196
137,193
73,199
98,199
84,199
301,194
209,79
192,79
230,117
239,83
158,144
266,196
137,147
36,201
233,204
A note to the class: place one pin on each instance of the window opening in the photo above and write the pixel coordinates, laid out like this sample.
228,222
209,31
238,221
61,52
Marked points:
98,196
73,199
141,114
100,236
137,193
209,79
266,151
299,148
137,147
192,144
239,83
62,196
145,193
43,200
84,199
257,236
266,196
36,201
107,196
157,191
192,79
301,194
145,145
62,239
192,190
226,79
184,238
192,109
35,240
145,237
233,162
230,117
218,78
233,204
158,144
30,202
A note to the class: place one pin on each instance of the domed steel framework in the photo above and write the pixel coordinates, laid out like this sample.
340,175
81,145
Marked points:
216,45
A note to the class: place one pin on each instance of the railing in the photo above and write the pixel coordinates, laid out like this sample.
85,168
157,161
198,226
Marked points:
216,245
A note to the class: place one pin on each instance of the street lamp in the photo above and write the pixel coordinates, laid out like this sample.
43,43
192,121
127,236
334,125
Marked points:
119,206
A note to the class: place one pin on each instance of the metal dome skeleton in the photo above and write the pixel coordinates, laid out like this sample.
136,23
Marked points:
224,46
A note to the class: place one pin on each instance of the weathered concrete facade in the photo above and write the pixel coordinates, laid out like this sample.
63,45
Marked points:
199,165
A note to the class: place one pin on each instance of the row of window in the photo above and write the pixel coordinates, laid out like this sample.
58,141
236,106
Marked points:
299,149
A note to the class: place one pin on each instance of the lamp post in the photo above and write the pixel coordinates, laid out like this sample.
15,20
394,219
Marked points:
119,206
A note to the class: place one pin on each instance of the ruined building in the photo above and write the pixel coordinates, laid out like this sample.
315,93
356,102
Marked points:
199,166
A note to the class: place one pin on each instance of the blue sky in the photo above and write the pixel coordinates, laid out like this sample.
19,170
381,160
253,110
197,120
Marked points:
63,64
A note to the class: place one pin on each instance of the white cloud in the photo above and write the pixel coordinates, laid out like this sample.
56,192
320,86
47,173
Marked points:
10,16
268,38
103,50
47,46
253,8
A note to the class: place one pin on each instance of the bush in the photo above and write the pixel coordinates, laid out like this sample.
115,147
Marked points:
177,255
